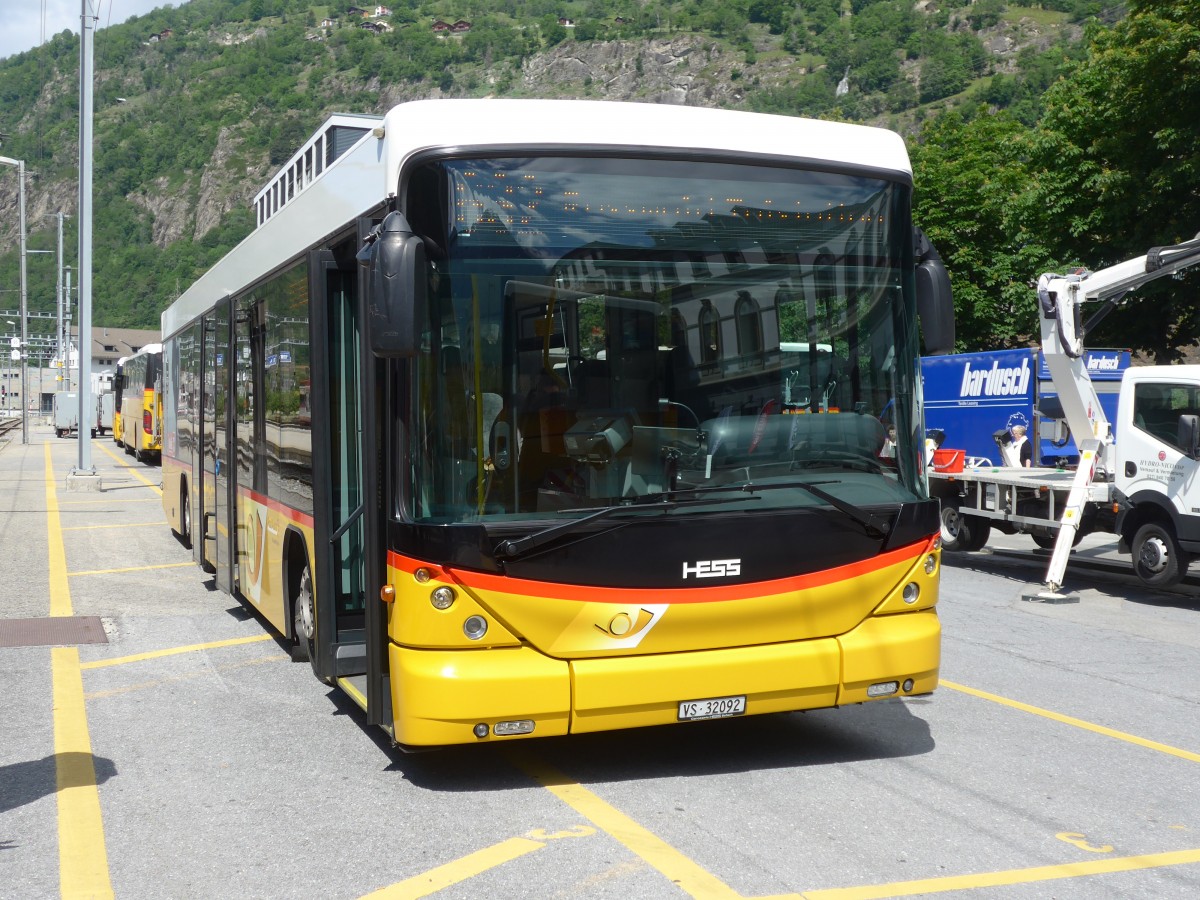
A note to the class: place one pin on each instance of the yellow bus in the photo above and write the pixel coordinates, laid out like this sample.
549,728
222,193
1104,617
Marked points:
116,389
528,418
137,403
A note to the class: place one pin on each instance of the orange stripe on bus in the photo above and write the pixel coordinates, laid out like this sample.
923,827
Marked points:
591,594
275,506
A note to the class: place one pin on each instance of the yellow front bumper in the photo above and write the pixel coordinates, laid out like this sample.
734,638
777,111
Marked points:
439,696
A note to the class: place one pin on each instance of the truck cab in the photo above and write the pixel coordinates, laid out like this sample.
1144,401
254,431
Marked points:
1156,472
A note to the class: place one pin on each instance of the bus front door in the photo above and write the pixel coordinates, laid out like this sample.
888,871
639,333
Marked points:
338,491
215,496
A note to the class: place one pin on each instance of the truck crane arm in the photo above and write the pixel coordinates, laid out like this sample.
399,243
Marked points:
1060,304
1061,296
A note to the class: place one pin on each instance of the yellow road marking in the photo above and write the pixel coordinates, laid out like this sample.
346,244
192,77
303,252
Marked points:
60,591
183,676
122,525
82,856
178,565
458,871
677,868
111,500
172,651
131,469
1012,876
1070,720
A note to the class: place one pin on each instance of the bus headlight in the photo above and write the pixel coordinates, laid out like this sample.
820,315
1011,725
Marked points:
442,598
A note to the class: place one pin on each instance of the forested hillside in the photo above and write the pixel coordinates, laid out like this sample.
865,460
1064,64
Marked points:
196,106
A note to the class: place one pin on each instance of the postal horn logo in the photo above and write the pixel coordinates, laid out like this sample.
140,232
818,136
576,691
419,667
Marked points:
623,625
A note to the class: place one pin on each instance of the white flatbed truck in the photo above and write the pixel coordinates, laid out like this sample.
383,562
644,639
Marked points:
1137,479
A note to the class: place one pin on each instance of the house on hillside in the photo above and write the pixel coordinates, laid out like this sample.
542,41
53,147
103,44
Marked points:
161,36
382,11
328,22
377,27
440,27
357,11
566,23
460,26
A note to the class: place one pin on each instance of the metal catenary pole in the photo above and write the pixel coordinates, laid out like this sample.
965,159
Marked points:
86,37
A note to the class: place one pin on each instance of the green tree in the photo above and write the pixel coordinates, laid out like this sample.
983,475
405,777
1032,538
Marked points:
970,172
1119,157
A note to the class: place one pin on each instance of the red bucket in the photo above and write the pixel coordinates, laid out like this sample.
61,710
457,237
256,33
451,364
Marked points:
948,460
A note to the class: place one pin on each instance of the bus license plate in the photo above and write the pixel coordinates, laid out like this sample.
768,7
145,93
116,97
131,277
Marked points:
714,708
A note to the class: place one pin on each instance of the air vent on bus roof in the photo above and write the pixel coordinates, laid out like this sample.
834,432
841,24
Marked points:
336,135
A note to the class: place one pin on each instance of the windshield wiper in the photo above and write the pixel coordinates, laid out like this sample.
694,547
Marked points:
515,548
836,458
875,527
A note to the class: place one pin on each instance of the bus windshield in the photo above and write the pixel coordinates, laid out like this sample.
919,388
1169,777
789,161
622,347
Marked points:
601,331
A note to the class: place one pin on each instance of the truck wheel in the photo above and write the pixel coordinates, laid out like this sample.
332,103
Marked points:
978,532
1157,557
1046,539
955,531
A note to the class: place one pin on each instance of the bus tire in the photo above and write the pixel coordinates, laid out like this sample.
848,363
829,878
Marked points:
185,517
304,622
1157,557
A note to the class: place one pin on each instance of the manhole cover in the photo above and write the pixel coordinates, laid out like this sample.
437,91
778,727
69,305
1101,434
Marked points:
52,631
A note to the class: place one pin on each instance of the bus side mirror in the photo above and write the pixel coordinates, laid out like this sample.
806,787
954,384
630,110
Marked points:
396,287
1189,436
935,305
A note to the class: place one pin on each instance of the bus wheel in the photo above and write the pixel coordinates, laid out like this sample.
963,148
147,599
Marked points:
1157,557
185,517
304,623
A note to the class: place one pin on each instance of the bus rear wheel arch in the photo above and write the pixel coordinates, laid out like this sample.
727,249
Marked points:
185,515
301,599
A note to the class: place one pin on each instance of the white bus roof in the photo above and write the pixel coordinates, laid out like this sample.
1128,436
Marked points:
306,206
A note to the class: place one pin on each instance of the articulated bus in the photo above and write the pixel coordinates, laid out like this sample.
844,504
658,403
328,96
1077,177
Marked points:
137,391
528,418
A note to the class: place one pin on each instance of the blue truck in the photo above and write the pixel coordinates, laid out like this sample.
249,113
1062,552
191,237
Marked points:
969,397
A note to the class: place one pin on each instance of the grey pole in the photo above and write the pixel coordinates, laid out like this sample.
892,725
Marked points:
86,25
8,371
67,331
20,166
63,362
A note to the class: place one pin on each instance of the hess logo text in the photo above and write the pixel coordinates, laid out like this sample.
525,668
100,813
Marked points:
712,568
